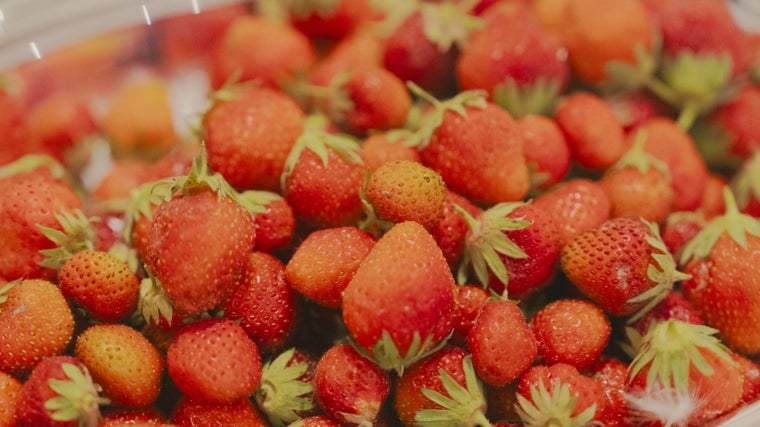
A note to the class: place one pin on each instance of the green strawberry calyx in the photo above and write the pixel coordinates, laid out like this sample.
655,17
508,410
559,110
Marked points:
372,222
637,157
746,182
553,408
486,242
670,348
153,303
448,24
663,273
734,223
32,162
421,123
282,394
77,233
465,405
539,97
77,397
386,354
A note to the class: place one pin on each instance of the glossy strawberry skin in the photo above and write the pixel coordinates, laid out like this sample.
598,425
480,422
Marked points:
9,395
451,229
587,391
468,300
189,413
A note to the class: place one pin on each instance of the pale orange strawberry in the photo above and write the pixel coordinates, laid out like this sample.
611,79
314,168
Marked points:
378,148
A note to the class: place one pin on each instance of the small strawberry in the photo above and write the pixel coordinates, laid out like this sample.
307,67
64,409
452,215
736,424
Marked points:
356,51
398,305
612,374
58,123
122,362
679,228
622,265
546,151
325,262
125,174
403,190
101,283
340,395
501,342
59,392
378,148
242,412
10,388
556,326
712,199
333,19
275,226
468,300
729,133
35,322
286,391
214,361
264,304
451,230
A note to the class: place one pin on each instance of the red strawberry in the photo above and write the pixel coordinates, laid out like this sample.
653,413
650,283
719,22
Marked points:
59,123
325,262
746,185
750,371
101,283
673,306
264,304
622,265
338,392
546,150
377,149
59,392
680,228
712,200
276,225
501,342
124,175
398,305
123,362
556,326
403,190
356,51
316,421
35,323
721,260
144,417
468,300
10,389
214,361
332,20
451,230
249,133
14,126
612,374
286,391
242,412
729,133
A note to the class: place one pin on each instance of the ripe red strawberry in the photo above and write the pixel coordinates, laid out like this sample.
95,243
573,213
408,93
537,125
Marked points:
593,133
59,392
316,421
249,132
750,371
275,226
59,123
280,52
441,388
331,20
622,265
264,304
356,51
143,417
35,322
682,374
403,190
338,392
286,391
679,228
214,361
579,205
398,305
14,126
512,248
612,374
377,149
546,150
451,230
673,306
10,389
501,342
558,393
122,362
101,283
242,412
712,200
556,326
475,146
468,300
721,260
325,262
729,133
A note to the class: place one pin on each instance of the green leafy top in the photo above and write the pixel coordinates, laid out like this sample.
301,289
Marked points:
464,405
552,409
486,242
670,347
448,24
539,97
282,394
736,224
77,233
77,397
31,162
387,355
637,157
153,303
746,182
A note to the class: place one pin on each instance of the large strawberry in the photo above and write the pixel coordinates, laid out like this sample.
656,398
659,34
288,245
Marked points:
9,394
722,260
242,412
398,305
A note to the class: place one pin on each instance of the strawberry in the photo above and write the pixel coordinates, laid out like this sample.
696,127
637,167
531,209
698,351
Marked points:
316,421
592,131
639,185
10,388
325,262
721,260
122,362
501,342
242,412
512,248
59,392
330,19
35,323
555,327
356,51
101,283
546,151
286,391
442,388
579,205
515,60
398,305
403,190
558,393
59,123
475,146
14,126
338,393
679,228
712,200
281,52
750,371
264,304
146,417
468,300
378,149
729,133
612,374
622,265
746,185
275,226
214,361
673,306
124,174
451,229
682,374
632,108
249,132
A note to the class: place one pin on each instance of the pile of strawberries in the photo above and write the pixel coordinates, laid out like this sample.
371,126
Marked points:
422,213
